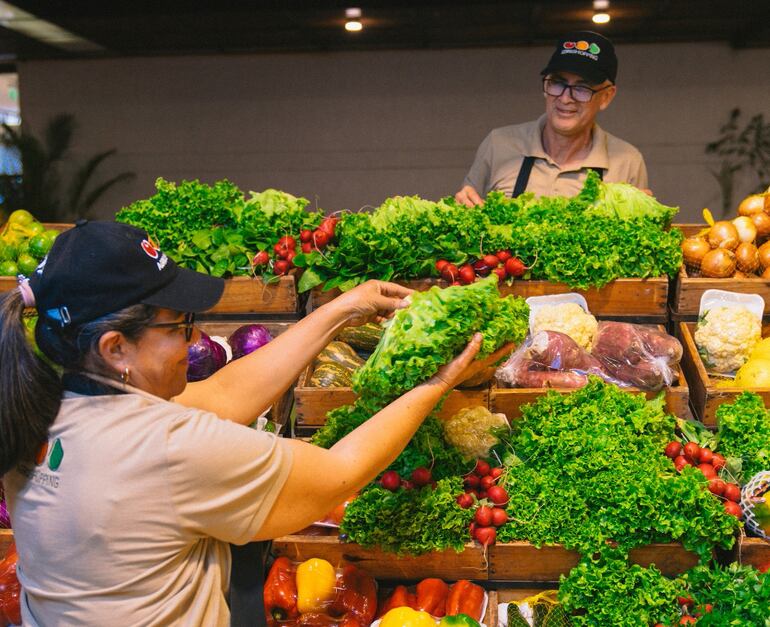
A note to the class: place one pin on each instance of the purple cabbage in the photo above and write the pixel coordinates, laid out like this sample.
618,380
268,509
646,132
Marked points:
248,338
204,358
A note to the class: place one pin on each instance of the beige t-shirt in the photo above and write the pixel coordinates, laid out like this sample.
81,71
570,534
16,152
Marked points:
500,155
126,519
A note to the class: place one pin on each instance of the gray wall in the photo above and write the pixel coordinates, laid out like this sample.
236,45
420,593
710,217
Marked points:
347,130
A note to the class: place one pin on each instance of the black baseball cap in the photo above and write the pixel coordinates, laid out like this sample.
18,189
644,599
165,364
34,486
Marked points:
97,268
587,54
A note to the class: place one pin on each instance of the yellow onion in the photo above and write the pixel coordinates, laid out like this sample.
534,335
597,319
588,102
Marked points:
761,222
693,249
741,275
752,204
747,232
747,257
766,273
718,263
723,235
764,255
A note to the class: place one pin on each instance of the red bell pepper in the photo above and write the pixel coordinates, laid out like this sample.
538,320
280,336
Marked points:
280,592
432,594
356,597
400,597
465,597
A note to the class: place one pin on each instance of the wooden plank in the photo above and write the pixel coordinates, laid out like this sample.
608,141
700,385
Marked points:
619,298
311,404
251,295
752,551
704,395
688,291
467,564
522,561
690,230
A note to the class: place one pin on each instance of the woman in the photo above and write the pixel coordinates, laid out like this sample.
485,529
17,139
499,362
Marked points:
125,484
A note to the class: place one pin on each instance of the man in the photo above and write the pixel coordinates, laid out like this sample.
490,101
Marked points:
552,155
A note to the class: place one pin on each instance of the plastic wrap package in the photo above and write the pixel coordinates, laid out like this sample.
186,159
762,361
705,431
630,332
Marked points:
314,593
628,355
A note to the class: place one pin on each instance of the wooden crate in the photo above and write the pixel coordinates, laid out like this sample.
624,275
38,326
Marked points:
622,298
7,283
705,397
6,537
281,409
522,561
688,290
448,564
252,295
752,551
311,404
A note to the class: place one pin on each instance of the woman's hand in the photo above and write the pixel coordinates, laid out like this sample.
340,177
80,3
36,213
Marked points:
373,300
465,366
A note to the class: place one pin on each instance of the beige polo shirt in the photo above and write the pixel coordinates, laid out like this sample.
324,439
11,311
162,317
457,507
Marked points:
500,155
126,520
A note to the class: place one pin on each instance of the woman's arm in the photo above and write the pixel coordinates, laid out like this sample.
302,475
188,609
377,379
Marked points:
320,479
246,387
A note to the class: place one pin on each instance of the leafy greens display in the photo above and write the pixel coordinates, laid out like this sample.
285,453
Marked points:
744,432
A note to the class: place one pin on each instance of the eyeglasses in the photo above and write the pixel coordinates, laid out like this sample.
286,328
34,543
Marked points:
579,93
187,324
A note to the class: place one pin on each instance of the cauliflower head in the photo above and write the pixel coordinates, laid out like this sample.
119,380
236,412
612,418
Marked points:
725,337
469,430
568,318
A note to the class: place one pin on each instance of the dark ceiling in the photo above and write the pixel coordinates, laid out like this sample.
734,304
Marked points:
160,27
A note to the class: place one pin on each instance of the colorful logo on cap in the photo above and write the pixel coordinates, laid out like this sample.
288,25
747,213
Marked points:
582,45
54,454
149,249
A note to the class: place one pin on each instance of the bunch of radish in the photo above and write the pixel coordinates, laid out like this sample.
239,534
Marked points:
502,263
490,499
420,477
284,251
709,463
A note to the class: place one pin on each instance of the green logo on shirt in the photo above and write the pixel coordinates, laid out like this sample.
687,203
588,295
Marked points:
54,458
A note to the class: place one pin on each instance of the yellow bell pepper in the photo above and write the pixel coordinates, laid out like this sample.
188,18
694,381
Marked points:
407,617
316,585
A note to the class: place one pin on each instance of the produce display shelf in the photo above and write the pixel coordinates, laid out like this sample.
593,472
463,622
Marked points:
253,295
705,396
688,290
621,298
7,283
311,404
324,543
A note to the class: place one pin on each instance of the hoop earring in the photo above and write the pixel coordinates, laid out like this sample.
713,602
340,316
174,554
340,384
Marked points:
124,376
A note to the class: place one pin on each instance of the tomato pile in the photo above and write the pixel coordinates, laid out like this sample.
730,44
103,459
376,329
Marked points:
285,249
502,263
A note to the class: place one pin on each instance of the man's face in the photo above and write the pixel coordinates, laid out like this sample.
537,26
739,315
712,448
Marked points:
568,116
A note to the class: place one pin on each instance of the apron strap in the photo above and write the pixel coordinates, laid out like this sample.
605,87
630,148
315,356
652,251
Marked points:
247,582
526,169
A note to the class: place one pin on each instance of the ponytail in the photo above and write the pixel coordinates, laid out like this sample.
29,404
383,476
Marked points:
30,390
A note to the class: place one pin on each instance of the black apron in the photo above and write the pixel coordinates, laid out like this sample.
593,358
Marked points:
526,169
249,562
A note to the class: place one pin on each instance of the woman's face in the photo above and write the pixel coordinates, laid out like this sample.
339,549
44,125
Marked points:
159,359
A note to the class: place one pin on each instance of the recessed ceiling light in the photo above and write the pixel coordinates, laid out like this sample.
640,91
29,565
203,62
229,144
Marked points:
601,5
353,13
600,18
353,26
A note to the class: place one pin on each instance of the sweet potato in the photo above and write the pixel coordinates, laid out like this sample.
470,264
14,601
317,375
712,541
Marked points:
560,352
530,374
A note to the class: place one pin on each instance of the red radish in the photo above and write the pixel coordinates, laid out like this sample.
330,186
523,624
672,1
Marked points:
486,535
483,516
503,255
305,235
688,620
467,274
680,462
421,476
705,456
732,493
482,494
718,461
706,609
501,274
406,484
281,267
455,283
487,482
441,264
472,481
692,450
261,258
733,509
449,273
481,268
320,238
328,225
673,449
465,500
287,241
490,260
482,468
684,601
497,495
390,480
499,516
717,486
495,472
307,247
708,471
290,256
515,267
472,529
281,250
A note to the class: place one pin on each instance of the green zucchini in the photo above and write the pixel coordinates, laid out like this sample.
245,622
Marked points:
341,354
363,338
331,375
